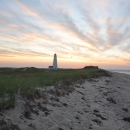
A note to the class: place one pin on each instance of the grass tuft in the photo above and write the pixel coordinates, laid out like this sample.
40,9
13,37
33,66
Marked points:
7,104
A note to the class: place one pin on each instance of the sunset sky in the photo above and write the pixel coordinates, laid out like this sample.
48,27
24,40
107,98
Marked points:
80,32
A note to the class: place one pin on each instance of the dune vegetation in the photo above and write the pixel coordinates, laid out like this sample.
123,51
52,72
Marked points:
26,81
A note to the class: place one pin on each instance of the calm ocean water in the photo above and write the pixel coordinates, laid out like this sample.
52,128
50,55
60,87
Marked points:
121,71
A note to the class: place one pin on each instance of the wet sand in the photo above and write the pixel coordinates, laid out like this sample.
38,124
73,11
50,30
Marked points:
97,104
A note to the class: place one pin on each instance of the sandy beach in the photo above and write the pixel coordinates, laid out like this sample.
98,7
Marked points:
96,103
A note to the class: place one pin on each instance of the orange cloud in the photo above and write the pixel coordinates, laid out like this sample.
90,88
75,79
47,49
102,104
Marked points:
26,9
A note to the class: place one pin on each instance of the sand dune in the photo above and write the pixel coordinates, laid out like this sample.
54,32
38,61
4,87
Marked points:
97,103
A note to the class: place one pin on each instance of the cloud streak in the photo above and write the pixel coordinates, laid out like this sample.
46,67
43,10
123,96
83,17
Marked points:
87,30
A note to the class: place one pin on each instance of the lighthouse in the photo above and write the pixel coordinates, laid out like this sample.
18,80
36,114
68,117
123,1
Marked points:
55,62
54,67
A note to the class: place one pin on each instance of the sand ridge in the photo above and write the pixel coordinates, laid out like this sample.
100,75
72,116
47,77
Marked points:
98,103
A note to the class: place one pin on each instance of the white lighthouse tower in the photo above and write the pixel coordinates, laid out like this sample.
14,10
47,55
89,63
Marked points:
55,62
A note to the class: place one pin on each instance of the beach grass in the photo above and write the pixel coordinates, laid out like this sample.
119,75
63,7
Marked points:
27,81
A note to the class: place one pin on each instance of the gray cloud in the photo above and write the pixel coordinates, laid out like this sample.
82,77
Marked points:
116,36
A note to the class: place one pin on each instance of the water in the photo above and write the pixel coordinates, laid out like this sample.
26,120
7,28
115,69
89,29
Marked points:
121,71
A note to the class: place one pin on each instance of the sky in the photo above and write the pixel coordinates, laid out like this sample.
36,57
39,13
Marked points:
80,32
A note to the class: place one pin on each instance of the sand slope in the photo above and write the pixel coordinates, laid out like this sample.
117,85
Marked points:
99,104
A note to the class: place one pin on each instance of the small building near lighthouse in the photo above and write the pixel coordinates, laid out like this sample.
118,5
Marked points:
55,66
50,67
